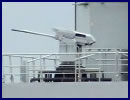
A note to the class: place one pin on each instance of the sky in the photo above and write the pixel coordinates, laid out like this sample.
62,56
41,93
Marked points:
37,17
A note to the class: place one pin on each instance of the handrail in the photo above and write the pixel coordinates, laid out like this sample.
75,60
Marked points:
74,53
83,57
38,59
34,69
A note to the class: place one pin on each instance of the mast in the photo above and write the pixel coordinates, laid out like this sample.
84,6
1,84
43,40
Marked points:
75,26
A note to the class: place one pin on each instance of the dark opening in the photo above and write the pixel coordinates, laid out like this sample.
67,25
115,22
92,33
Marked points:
80,35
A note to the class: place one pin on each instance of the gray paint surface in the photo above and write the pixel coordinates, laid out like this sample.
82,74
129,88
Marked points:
104,21
66,90
108,22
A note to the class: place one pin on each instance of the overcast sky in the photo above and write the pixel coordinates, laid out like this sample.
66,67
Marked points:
39,17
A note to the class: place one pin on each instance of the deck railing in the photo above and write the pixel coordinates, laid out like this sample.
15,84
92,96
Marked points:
108,63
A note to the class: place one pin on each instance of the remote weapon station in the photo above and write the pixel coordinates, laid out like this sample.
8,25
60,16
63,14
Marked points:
70,41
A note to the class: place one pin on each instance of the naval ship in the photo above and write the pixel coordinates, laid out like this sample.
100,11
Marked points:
80,69
85,73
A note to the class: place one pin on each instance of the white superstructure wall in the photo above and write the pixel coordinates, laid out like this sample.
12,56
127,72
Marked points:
107,21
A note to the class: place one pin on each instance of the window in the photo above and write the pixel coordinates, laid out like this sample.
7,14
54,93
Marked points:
80,35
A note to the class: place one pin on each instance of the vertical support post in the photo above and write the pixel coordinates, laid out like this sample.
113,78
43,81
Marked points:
33,63
86,62
27,72
79,71
11,69
44,66
55,63
104,56
99,74
75,72
3,70
23,71
41,77
117,67
75,17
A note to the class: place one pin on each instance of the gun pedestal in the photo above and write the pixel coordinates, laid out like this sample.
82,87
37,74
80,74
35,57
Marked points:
67,46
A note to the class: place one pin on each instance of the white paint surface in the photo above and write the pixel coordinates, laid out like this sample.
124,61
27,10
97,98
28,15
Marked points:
108,23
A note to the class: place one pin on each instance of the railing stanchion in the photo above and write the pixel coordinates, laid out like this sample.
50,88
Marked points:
55,61
3,70
27,72
33,63
41,77
116,67
21,68
79,71
75,72
11,69
99,74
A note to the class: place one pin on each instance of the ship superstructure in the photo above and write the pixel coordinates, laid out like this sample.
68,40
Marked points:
92,63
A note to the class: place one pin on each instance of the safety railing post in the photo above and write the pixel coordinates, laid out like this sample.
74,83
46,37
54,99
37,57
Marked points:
79,71
41,76
23,71
11,69
116,67
99,74
3,70
33,65
75,72
27,72
55,61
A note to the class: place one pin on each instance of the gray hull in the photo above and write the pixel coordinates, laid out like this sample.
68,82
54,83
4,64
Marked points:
66,90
